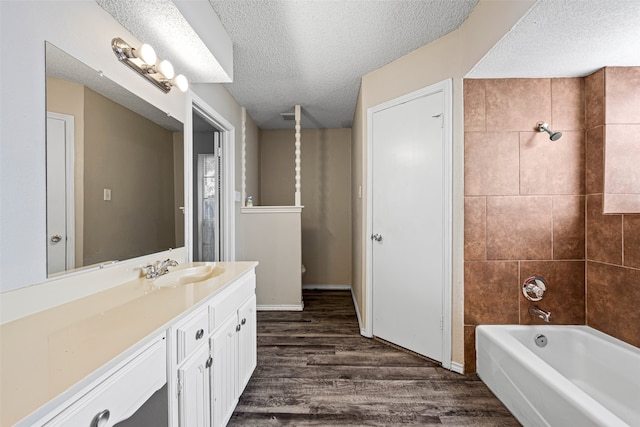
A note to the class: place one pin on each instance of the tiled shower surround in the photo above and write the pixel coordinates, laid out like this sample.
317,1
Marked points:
534,207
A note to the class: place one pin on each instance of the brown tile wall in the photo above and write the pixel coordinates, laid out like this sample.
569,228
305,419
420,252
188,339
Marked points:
535,207
621,120
613,240
524,201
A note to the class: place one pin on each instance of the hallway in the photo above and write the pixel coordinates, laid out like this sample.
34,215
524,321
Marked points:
314,368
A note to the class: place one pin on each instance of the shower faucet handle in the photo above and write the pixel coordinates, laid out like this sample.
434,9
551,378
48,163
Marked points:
534,288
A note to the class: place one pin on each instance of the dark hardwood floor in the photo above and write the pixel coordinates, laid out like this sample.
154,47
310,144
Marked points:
315,369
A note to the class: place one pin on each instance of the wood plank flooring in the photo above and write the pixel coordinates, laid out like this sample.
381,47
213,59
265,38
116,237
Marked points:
315,369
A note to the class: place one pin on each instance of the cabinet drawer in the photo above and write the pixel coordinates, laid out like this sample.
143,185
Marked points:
191,334
120,394
221,309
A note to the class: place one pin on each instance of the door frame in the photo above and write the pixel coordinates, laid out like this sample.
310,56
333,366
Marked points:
69,176
446,87
227,199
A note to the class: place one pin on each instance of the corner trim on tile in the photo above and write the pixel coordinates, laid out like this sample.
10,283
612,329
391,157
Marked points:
283,307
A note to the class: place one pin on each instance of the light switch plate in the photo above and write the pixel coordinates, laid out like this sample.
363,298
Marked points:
107,194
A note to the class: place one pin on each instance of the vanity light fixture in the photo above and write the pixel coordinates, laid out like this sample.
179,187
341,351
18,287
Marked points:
143,60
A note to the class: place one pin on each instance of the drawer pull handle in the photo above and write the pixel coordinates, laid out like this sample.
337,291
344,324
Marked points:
199,334
209,362
238,328
100,419
243,321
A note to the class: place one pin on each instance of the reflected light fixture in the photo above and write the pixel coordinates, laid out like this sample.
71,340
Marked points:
143,60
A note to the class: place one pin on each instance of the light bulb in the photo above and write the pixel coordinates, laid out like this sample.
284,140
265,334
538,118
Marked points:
166,69
181,82
146,54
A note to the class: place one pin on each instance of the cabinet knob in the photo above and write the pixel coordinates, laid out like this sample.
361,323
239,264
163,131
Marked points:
243,321
209,362
101,419
199,334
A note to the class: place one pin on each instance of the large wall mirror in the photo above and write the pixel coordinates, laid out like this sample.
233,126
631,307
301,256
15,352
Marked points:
115,170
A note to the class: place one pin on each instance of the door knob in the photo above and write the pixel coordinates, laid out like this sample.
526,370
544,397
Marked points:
56,238
376,237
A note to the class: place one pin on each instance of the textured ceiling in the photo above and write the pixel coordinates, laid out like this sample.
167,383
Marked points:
314,52
160,24
566,38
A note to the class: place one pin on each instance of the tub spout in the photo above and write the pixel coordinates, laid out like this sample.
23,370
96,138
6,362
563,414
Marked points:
536,311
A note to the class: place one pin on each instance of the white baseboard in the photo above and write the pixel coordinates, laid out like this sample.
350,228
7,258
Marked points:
320,287
457,367
292,307
363,331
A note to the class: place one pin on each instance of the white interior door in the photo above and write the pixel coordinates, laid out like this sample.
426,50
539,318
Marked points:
60,200
408,224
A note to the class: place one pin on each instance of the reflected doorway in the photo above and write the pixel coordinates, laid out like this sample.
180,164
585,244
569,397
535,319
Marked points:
60,193
207,190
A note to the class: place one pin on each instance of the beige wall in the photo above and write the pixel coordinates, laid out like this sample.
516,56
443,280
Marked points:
178,186
252,157
272,237
326,196
277,177
451,56
68,98
133,157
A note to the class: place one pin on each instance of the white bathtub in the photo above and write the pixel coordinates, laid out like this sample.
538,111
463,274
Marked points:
582,377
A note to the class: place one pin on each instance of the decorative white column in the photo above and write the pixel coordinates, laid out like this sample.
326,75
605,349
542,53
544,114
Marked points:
298,197
244,157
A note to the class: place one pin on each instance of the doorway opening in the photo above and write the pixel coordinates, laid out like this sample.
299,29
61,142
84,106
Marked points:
210,184
207,190
60,193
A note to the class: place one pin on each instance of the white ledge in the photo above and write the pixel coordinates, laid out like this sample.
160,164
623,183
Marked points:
271,209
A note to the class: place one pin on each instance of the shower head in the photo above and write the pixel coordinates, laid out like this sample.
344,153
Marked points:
544,127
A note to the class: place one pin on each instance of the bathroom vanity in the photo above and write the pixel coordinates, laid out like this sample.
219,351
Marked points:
96,360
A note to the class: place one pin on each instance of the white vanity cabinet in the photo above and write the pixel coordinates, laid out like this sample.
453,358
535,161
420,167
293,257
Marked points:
119,393
214,355
97,360
194,389
233,347
247,343
224,372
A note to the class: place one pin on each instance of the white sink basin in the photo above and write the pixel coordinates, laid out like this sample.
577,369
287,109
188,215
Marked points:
184,275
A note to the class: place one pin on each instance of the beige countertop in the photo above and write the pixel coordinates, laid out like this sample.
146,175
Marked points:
45,355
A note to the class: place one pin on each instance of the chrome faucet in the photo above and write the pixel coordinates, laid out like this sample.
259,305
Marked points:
159,268
536,311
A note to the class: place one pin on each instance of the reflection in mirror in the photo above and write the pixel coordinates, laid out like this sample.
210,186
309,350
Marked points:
114,170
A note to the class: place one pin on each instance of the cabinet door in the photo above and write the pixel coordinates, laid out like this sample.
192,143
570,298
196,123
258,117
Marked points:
224,373
193,390
247,351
